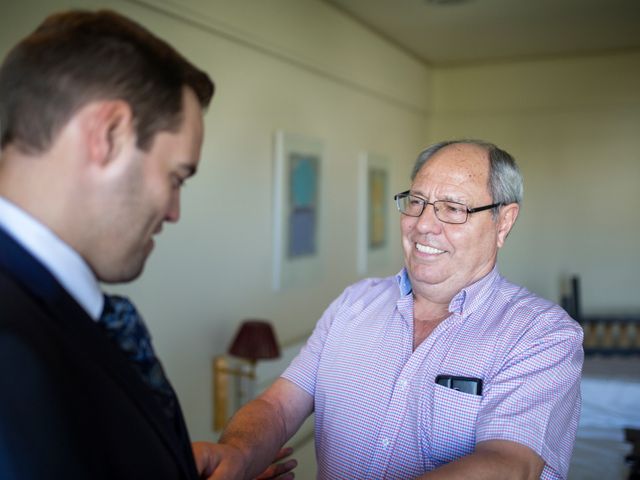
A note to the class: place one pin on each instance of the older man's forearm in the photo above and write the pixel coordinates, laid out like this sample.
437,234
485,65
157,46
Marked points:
257,432
492,460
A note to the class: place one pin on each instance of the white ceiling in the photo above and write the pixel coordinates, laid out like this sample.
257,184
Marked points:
442,32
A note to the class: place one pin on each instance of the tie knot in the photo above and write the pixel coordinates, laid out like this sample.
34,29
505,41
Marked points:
126,327
117,305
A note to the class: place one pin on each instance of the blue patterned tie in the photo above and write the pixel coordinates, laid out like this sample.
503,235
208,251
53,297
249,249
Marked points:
126,328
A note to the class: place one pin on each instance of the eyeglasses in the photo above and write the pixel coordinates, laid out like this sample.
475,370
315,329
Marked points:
445,210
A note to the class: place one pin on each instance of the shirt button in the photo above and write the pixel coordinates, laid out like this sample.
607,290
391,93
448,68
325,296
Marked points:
385,443
403,384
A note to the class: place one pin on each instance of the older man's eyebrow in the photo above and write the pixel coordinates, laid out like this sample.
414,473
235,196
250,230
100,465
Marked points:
451,198
418,193
446,197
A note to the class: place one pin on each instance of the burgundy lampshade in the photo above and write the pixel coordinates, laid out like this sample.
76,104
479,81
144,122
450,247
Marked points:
255,340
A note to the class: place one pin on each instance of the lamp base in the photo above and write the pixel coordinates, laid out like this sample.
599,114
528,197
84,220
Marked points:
222,370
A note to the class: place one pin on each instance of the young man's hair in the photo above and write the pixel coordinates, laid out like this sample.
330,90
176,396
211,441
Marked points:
77,57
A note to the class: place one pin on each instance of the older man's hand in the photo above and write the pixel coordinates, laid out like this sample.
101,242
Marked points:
282,470
209,456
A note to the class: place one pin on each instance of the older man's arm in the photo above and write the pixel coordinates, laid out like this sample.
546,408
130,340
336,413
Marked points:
257,431
495,460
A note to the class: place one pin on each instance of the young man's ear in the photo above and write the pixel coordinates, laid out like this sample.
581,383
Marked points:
506,218
108,127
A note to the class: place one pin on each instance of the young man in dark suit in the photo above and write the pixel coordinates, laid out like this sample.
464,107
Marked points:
101,124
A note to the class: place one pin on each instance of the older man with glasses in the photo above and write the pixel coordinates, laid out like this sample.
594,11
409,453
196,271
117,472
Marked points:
446,370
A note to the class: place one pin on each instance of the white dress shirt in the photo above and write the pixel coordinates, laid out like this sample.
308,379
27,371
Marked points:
60,259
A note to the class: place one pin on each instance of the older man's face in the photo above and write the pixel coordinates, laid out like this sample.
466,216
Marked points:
442,258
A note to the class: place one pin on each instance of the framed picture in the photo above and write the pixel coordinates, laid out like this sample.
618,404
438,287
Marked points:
375,205
297,201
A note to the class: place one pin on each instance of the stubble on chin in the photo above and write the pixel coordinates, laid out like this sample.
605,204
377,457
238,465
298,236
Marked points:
123,270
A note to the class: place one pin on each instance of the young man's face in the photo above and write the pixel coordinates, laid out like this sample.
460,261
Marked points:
147,194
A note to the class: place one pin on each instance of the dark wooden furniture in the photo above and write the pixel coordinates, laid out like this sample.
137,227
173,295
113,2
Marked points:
632,435
611,334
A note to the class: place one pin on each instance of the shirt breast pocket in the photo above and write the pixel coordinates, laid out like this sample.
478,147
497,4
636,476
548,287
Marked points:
452,424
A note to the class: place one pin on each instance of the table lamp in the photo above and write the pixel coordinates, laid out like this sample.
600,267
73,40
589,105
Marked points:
255,340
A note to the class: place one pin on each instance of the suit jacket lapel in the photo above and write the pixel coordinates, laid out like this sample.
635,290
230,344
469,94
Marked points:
89,341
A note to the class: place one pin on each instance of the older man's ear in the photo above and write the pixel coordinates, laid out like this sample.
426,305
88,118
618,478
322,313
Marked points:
506,219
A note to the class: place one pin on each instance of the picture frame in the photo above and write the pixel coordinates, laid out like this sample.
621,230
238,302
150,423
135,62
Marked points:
374,210
297,210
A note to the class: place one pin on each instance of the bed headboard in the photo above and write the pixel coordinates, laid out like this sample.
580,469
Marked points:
611,334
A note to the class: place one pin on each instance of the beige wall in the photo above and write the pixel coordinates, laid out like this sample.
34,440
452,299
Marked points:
574,126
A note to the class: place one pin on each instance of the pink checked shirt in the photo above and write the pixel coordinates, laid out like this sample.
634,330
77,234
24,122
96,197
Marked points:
380,414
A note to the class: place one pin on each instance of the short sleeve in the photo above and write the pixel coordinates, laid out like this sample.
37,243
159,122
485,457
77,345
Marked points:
534,397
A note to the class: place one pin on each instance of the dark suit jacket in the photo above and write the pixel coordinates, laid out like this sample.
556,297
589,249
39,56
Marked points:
71,405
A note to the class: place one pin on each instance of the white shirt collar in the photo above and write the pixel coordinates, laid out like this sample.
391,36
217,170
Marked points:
60,259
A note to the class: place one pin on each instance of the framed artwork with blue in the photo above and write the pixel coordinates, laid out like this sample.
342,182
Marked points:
303,205
297,210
